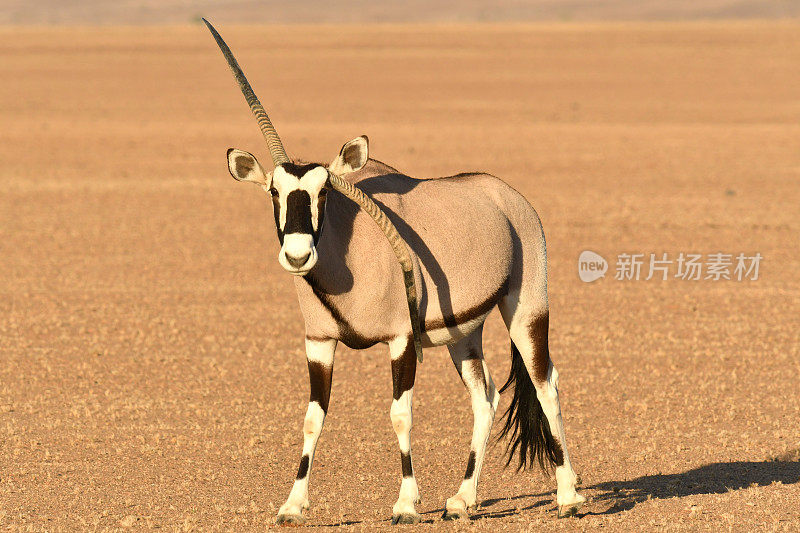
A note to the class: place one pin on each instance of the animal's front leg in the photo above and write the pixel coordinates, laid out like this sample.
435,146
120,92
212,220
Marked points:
404,368
320,371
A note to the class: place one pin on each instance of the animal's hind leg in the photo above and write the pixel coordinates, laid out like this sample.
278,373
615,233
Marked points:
528,327
467,355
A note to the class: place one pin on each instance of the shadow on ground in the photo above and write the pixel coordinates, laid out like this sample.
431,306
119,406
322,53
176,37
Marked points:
715,478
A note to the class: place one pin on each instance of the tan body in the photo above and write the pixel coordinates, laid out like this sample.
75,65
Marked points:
475,243
460,279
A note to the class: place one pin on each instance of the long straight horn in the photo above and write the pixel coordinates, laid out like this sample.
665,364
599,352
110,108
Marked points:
399,248
267,129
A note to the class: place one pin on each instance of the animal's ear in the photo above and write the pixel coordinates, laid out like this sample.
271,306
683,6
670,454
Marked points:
244,166
352,157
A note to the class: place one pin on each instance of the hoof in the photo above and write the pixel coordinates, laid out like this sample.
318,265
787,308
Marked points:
565,511
406,518
455,515
290,520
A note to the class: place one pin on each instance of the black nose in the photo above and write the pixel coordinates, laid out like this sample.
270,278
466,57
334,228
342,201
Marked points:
297,262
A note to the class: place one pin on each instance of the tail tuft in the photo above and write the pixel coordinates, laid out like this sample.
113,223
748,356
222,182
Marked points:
525,423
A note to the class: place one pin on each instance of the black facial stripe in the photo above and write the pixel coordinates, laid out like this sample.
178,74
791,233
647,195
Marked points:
299,170
298,205
298,213
276,208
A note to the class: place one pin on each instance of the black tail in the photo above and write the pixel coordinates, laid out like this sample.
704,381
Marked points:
525,422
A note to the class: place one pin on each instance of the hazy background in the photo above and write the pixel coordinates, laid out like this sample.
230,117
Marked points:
91,12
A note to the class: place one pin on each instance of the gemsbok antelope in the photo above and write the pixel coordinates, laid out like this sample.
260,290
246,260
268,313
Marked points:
344,226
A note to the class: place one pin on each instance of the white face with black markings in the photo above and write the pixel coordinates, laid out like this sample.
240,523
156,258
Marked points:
298,197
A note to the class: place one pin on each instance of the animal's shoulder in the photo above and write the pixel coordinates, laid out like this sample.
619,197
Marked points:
384,182
374,169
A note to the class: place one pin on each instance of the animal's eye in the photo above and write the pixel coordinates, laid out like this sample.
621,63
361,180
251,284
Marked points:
274,192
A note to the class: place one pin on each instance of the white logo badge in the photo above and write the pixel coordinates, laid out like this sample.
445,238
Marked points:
591,266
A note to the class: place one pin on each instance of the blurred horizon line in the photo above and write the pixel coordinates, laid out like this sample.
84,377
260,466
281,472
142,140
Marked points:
312,12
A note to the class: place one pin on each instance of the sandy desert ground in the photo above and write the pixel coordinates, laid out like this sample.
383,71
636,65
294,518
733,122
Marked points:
152,373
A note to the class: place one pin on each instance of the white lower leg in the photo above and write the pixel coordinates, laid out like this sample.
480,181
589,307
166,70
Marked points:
493,396
565,475
408,497
484,398
401,422
312,427
320,366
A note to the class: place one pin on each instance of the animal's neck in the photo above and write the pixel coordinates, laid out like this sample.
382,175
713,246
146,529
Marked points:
332,274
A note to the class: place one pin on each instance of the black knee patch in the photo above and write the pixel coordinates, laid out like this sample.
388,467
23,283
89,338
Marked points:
404,369
319,376
302,472
538,330
470,465
405,460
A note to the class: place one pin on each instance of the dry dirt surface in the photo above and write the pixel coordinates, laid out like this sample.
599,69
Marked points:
152,372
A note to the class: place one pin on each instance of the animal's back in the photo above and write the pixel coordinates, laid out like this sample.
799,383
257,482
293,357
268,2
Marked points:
473,234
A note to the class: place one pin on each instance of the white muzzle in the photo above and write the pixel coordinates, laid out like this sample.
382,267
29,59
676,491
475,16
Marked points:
298,254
